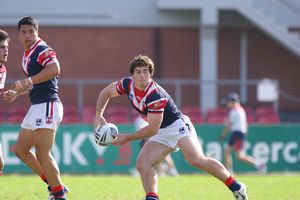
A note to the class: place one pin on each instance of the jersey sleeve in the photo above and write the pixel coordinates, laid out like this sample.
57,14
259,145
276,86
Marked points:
123,86
46,56
156,103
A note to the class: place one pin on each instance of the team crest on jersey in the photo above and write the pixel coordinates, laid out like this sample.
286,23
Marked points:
49,120
157,105
38,122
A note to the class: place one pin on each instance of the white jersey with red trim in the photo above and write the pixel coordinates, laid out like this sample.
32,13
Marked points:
35,60
238,120
154,99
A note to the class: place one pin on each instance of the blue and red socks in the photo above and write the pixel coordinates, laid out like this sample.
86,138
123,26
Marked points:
43,177
58,191
232,184
152,196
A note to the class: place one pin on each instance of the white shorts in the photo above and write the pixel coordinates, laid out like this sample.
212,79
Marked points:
43,115
170,135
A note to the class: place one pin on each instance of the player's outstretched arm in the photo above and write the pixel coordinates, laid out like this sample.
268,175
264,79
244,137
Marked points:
102,101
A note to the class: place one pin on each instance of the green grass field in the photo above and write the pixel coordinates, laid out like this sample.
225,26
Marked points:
184,187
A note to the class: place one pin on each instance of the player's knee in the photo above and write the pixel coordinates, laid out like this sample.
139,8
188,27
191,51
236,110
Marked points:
142,165
193,162
19,152
239,156
197,161
227,150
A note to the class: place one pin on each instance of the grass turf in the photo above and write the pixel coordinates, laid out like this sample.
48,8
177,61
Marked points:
120,187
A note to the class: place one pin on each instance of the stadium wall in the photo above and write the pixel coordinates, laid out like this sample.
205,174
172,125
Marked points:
76,152
92,52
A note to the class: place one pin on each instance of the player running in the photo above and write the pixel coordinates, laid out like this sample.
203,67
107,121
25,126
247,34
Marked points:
238,126
168,129
39,126
4,40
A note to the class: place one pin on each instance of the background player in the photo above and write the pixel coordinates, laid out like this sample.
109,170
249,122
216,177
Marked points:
167,166
167,128
237,124
4,39
39,126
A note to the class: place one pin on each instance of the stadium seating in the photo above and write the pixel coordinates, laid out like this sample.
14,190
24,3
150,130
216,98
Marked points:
2,117
121,114
263,111
215,119
16,114
133,114
116,110
249,111
266,115
268,120
216,115
196,119
121,119
250,114
113,114
70,115
250,119
117,114
217,112
194,114
88,115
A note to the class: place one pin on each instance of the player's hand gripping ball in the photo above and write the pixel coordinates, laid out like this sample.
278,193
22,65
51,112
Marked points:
105,134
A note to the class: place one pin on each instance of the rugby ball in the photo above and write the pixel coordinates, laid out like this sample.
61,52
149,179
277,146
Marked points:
105,134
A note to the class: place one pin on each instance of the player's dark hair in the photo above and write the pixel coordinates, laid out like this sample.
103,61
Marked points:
3,36
140,61
28,20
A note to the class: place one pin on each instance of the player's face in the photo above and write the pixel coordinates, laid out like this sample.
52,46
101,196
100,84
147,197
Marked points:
141,77
3,51
230,105
28,35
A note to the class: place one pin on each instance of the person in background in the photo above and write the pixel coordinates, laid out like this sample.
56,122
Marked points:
167,166
167,129
237,125
4,40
